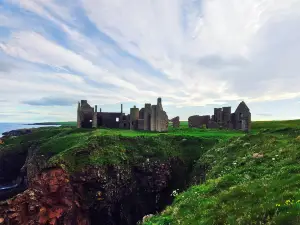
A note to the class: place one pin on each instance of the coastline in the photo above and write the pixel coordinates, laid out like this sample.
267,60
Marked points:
71,123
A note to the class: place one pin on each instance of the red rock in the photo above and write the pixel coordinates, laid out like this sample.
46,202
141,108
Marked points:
43,210
53,221
50,197
56,213
43,220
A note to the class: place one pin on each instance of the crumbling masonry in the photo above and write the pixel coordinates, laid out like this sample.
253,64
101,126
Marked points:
223,118
175,122
150,118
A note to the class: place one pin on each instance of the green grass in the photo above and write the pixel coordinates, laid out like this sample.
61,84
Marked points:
241,189
75,148
257,125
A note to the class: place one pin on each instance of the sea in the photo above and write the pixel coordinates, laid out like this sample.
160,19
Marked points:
4,127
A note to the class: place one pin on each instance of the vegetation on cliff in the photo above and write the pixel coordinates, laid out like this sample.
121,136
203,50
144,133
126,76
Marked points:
75,148
252,179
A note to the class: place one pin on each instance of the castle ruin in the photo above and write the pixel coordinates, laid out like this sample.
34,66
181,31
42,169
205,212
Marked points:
175,122
223,118
149,118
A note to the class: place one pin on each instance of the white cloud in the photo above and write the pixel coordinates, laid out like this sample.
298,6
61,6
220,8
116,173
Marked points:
190,52
226,29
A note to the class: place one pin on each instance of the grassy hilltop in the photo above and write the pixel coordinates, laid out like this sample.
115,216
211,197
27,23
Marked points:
256,125
75,148
252,178
242,189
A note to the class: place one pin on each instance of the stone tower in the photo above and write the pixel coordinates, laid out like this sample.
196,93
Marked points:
134,116
95,118
147,116
227,117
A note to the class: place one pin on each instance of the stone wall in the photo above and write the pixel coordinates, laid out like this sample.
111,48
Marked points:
175,122
242,117
153,117
134,116
223,118
213,125
147,116
85,115
198,121
140,124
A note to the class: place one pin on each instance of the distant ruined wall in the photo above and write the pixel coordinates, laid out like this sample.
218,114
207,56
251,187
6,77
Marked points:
223,118
134,116
242,117
140,124
218,115
198,121
85,115
226,117
151,118
147,116
162,120
95,118
175,122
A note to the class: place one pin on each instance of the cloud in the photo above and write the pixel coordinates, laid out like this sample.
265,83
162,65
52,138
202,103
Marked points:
215,61
50,101
264,114
191,53
5,66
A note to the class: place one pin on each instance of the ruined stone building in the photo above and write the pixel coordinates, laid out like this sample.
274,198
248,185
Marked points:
175,122
198,121
241,118
88,117
223,118
151,117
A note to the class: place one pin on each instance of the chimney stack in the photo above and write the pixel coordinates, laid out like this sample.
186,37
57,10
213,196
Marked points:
121,108
95,108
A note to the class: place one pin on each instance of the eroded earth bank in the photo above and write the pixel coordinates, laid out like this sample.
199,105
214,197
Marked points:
67,176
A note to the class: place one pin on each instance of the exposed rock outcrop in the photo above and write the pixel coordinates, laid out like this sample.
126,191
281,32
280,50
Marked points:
50,199
15,133
11,162
124,194
106,195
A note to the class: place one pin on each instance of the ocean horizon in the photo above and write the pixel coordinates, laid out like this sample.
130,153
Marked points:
5,127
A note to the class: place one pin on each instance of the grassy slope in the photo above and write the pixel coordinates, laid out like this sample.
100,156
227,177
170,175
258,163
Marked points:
256,125
241,189
75,148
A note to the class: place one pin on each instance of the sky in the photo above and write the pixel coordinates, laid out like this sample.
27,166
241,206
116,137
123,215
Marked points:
194,54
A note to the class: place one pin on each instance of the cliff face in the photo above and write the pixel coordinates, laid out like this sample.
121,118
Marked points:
74,177
107,195
123,194
50,199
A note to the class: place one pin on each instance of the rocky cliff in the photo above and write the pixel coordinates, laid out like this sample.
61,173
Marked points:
107,195
107,180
